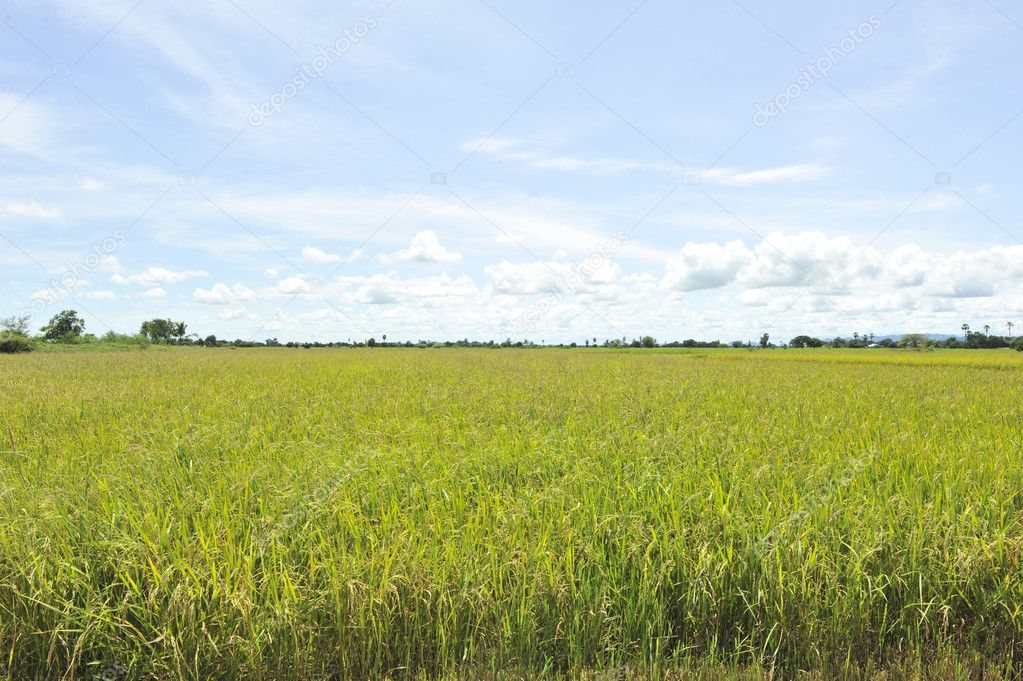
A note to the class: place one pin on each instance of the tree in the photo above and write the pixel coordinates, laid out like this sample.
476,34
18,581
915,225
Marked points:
966,332
806,342
180,330
158,330
765,340
987,329
372,342
64,324
1010,325
648,342
17,325
211,341
914,340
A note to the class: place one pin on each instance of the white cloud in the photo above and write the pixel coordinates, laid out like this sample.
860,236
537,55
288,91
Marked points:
152,276
796,259
426,247
292,286
109,263
154,293
91,185
231,313
222,294
270,272
703,266
31,209
791,173
100,295
535,155
554,277
317,255
390,288
754,297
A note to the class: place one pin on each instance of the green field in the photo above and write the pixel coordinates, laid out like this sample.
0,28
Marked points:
349,514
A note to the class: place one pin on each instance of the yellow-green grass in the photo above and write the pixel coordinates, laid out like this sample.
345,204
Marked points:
349,514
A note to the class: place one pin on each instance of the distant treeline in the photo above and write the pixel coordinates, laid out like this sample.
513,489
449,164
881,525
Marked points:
67,327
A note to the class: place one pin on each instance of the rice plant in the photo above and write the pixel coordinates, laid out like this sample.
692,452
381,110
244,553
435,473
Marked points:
441,514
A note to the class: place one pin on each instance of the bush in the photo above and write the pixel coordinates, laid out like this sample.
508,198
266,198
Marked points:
1018,344
11,344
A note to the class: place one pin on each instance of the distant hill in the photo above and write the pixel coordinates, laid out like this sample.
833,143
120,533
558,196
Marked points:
932,336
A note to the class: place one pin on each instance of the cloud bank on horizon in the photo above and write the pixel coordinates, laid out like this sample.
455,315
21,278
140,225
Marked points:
497,169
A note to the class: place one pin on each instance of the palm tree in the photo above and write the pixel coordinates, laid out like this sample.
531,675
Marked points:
180,329
987,329
966,332
1010,325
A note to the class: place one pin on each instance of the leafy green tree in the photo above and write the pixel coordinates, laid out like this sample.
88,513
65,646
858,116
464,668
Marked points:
765,340
915,341
806,342
648,342
158,330
64,324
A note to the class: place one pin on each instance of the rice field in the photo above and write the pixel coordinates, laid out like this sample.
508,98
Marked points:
441,514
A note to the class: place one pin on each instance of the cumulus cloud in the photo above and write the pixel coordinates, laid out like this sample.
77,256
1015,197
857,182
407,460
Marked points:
826,267
109,263
317,255
154,293
390,288
703,266
426,247
292,286
552,276
153,276
796,259
222,294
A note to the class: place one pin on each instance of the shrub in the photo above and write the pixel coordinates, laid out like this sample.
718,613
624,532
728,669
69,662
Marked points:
11,344
1018,344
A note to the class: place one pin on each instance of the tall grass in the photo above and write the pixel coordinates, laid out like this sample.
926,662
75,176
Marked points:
428,514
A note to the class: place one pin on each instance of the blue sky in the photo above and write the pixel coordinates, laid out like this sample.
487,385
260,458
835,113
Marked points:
492,169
